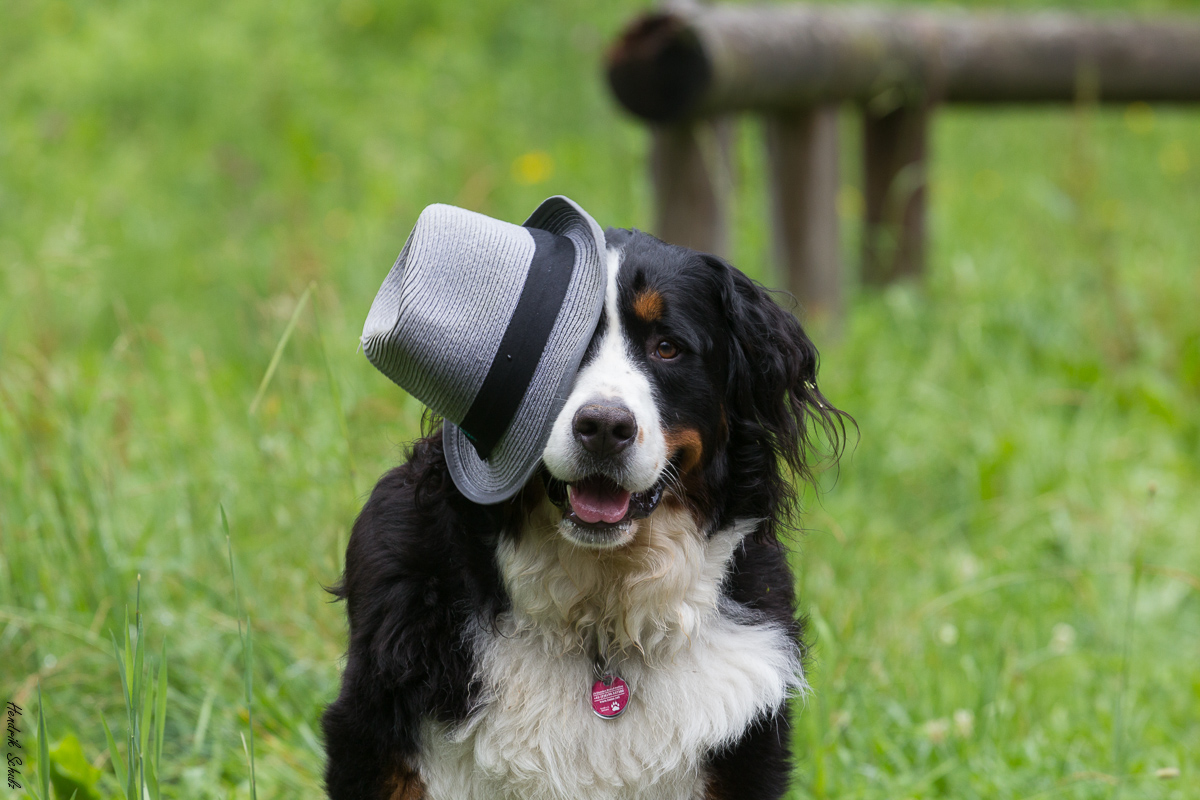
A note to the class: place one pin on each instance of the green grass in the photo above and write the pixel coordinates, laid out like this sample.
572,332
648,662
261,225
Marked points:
1002,576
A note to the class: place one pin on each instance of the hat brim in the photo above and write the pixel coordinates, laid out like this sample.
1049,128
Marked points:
519,451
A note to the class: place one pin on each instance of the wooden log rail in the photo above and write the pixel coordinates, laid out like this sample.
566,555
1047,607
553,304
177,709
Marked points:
685,70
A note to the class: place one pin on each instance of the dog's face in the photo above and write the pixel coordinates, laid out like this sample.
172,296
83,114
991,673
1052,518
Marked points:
689,361
646,407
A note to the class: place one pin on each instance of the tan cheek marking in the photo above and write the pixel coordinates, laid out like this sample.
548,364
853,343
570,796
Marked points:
685,442
408,787
648,306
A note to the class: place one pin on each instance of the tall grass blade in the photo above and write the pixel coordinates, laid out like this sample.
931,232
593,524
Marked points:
336,394
144,689
132,789
160,707
278,354
138,657
247,652
210,696
43,748
128,771
113,752
248,660
121,674
143,731
137,700
151,779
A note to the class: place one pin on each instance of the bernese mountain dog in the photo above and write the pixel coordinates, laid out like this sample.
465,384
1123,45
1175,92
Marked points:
644,554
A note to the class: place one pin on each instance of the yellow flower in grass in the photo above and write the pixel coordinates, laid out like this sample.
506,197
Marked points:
536,166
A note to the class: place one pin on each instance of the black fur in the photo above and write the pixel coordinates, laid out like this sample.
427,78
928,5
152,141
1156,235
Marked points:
758,766
420,566
757,370
777,408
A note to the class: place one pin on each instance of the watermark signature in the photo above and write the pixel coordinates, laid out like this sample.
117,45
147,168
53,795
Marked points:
14,760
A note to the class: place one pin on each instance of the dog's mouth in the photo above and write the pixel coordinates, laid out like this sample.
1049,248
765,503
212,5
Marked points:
599,511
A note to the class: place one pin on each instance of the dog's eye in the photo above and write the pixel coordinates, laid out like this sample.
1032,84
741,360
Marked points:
666,350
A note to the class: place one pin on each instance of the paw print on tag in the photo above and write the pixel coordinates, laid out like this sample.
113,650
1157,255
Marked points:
610,697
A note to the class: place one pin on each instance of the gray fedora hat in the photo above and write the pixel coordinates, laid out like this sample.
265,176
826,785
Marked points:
486,322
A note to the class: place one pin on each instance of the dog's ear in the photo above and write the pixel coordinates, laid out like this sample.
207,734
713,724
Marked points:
776,413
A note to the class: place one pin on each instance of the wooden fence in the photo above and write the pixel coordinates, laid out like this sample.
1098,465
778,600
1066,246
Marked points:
685,71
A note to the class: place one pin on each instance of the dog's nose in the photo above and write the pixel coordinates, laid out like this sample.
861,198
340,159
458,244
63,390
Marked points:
604,430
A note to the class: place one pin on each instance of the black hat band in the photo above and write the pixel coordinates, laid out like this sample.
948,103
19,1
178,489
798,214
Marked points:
524,340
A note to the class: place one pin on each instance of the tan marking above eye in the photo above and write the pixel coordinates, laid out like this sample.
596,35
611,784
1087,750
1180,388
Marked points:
648,305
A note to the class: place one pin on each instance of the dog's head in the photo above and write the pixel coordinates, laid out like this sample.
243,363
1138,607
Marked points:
696,391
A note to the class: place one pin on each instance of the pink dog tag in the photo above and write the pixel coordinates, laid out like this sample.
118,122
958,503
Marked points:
610,695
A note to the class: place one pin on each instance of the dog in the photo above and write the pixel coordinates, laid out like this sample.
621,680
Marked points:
645,553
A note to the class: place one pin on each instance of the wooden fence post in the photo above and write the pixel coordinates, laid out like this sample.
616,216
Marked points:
802,153
693,62
895,147
691,171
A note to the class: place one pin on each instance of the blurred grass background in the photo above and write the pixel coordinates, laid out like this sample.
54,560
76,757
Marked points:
1002,579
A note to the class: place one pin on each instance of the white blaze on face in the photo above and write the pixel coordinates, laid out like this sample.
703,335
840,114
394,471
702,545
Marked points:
612,377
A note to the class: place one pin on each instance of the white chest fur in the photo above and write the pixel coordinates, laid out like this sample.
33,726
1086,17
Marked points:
700,672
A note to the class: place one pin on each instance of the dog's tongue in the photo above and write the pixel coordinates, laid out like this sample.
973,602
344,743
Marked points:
598,499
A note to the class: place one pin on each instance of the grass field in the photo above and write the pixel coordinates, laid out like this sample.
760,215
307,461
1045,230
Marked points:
1003,576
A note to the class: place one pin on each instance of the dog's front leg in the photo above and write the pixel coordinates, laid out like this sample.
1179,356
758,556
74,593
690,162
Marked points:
369,752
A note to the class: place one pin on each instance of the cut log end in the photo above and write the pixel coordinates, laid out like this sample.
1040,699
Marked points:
657,68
